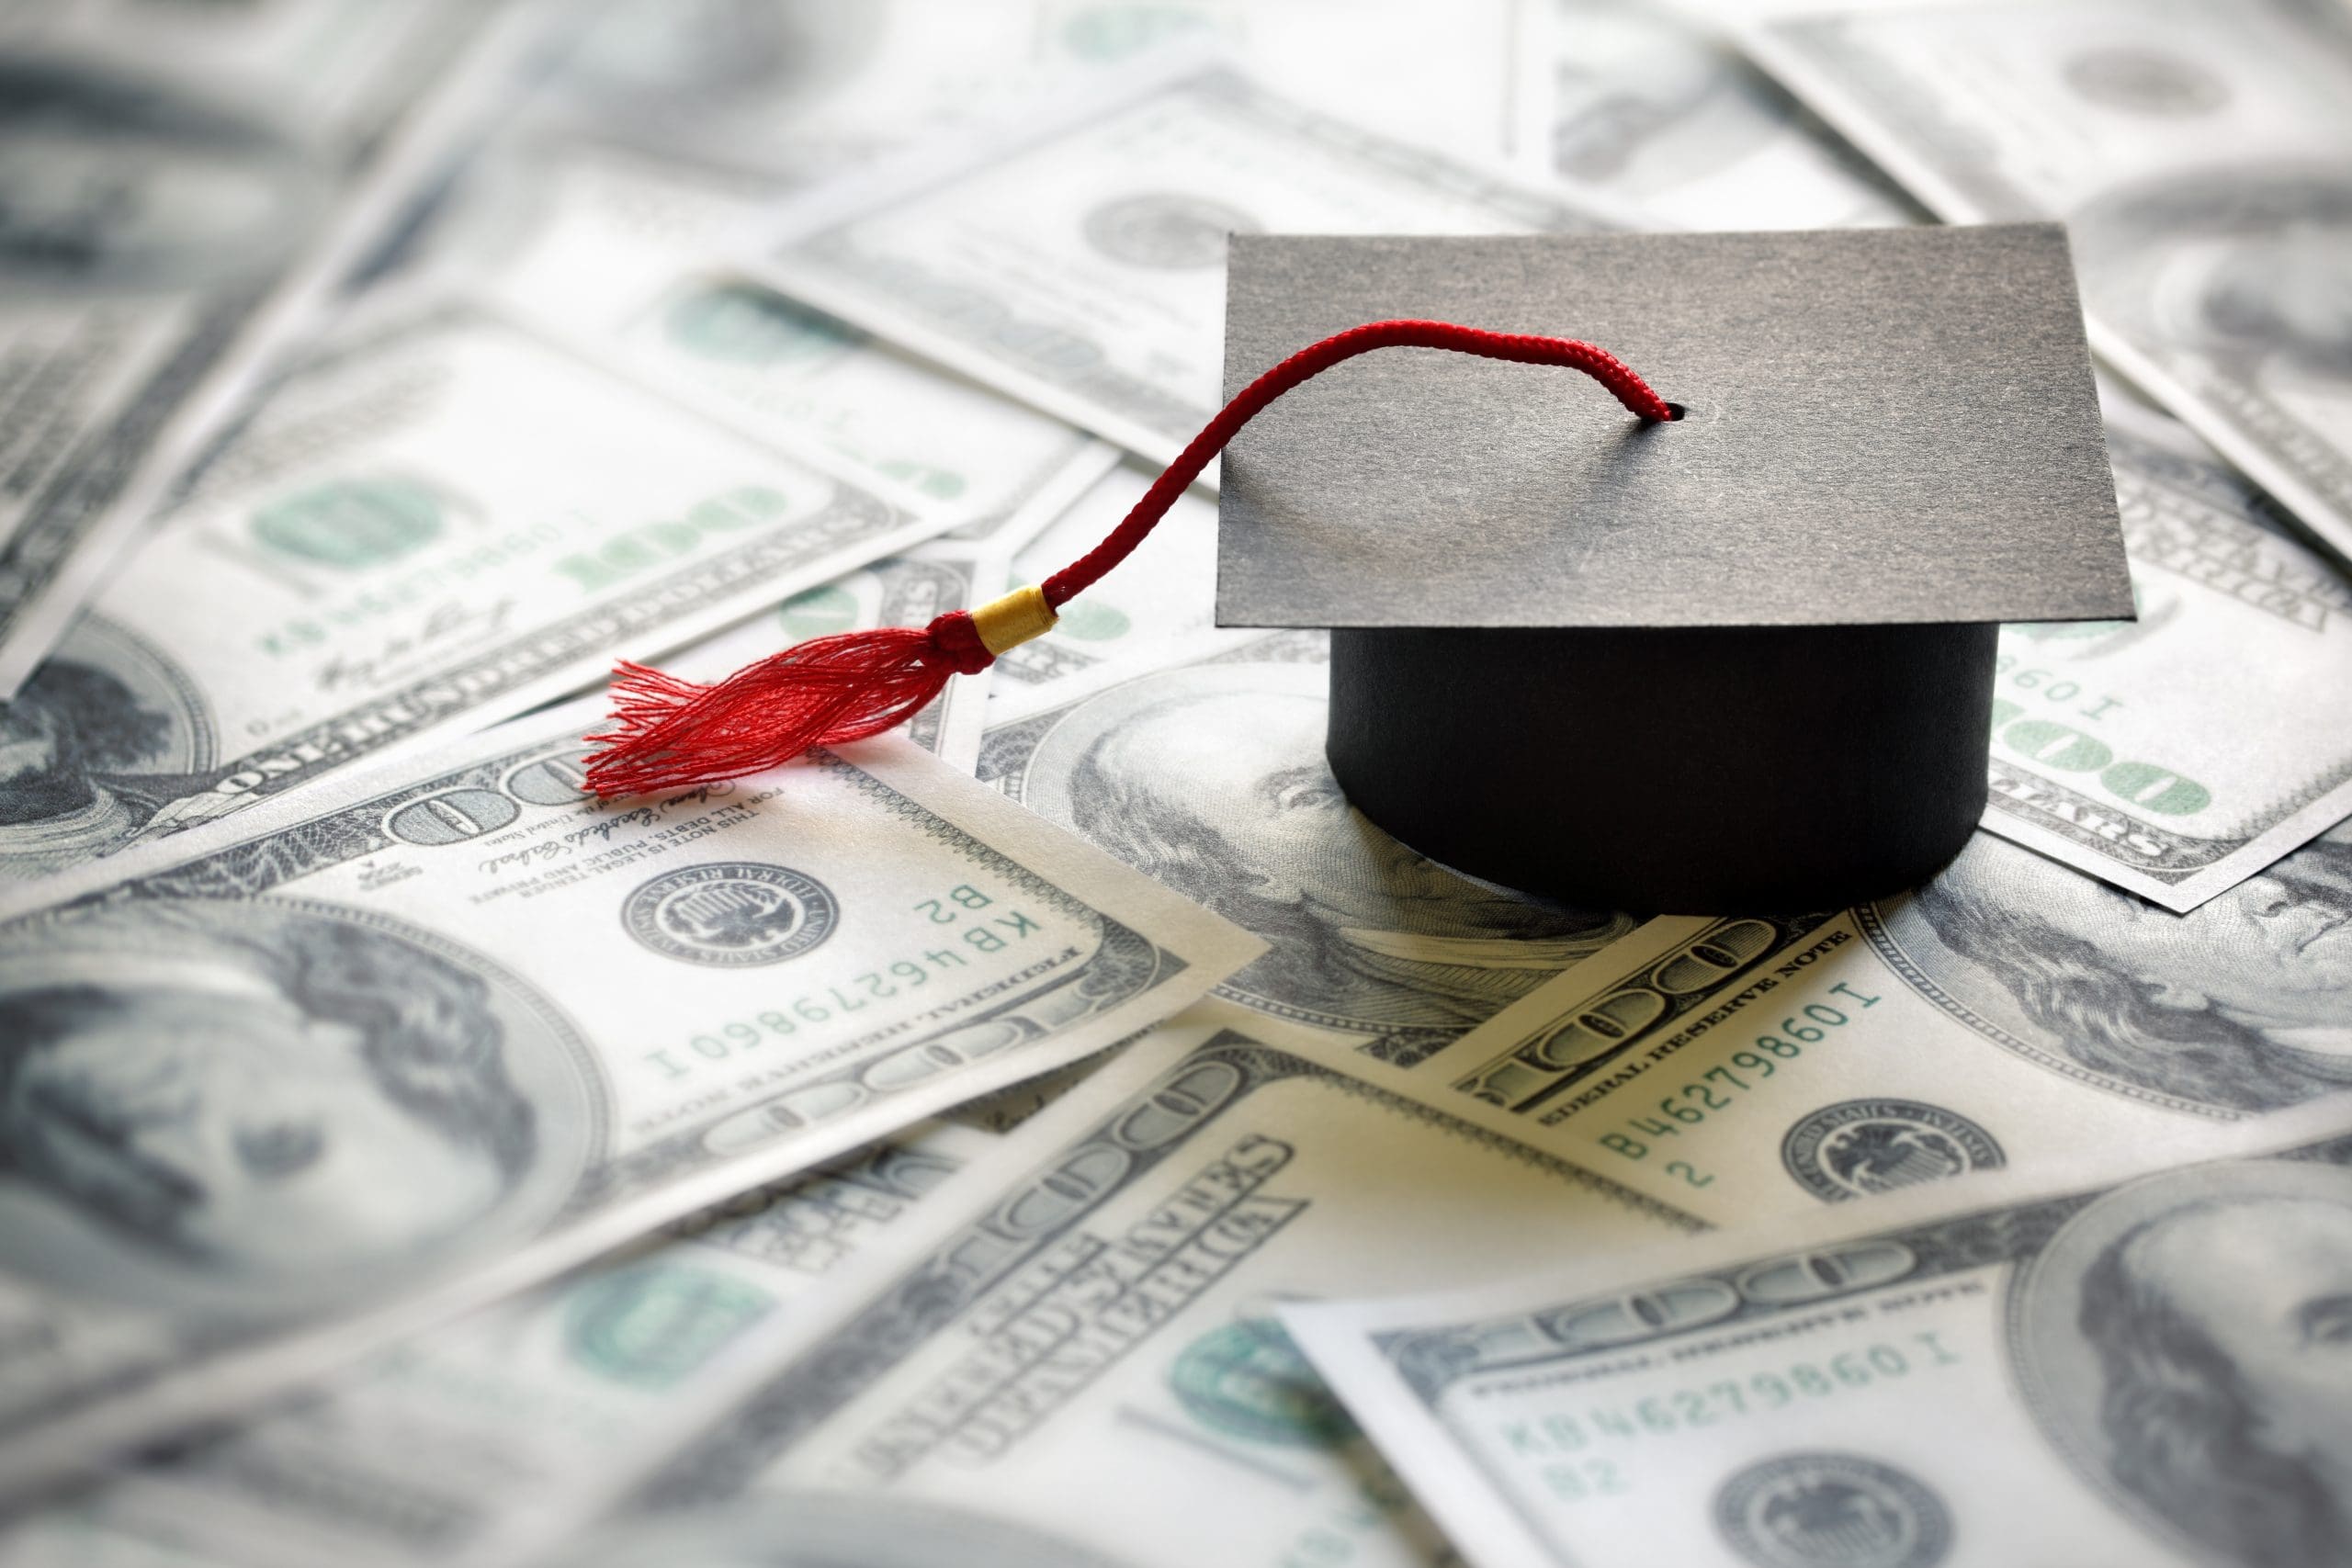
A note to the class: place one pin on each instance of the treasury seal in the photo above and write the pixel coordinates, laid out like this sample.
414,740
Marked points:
1857,1148
1165,230
1248,1380
731,914
1831,1510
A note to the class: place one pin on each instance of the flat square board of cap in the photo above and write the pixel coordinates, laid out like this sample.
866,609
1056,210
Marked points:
1740,659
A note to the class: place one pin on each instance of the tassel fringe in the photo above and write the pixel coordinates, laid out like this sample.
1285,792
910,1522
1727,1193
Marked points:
670,733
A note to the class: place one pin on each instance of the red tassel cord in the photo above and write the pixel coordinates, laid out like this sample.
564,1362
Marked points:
671,734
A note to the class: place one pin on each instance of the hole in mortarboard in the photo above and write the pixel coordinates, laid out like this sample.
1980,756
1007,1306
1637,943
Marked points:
1675,411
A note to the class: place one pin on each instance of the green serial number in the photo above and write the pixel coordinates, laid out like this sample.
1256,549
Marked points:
1549,1440
1721,1087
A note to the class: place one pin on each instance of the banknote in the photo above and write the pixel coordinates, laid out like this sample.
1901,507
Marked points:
1206,772
2010,1013
1079,263
180,183
788,94
2179,754
472,1442
600,229
2197,151
773,365
1345,57
1064,1375
1646,102
403,1042
440,521
2135,1363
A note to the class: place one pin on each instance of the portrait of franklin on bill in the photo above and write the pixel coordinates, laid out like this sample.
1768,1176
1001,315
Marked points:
1211,778
271,1094
2244,1005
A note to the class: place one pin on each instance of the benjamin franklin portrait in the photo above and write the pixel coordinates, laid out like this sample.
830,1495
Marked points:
88,746
2244,1005
262,1096
2244,273
1211,778
2189,1342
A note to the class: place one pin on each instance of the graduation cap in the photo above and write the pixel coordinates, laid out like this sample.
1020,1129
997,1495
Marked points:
1733,652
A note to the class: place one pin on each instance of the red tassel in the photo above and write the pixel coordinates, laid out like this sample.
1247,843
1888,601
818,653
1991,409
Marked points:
669,733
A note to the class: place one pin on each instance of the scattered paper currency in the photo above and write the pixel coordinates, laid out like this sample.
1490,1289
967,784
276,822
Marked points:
1079,263
1642,101
2196,150
408,557
541,333
2135,1364
473,1442
2010,1012
392,1046
179,184
1066,1371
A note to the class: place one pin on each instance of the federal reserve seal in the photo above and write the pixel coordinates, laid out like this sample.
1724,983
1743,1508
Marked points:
731,914
1165,230
1831,1510
1857,1148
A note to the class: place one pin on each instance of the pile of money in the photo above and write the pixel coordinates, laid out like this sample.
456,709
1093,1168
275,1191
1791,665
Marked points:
1065,1133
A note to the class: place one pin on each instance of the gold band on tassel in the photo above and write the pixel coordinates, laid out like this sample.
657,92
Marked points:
1008,622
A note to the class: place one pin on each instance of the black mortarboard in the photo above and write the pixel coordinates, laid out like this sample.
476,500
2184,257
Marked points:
1739,660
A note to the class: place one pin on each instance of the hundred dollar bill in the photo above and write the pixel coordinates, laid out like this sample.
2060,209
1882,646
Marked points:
2126,1364
379,1051
2010,1013
1206,772
471,1443
788,95
1345,56
600,232
2179,754
1078,262
2199,153
440,521
589,208
1064,1375
746,353
181,182
1646,102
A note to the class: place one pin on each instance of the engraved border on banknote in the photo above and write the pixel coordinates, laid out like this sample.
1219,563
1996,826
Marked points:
1752,1295
44,584
1124,963
990,1249
1831,71
822,264
2179,495
1626,1010
1853,88
1431,1359
646,610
